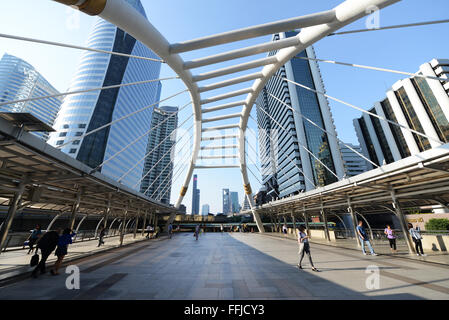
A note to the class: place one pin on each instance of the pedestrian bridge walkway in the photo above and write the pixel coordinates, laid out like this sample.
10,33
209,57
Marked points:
237,266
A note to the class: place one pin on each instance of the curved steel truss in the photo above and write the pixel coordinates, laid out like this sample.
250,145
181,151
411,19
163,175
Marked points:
313,28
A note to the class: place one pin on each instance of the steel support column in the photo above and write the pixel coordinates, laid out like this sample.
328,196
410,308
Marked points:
98,225
354,221
112,223
306,220
156,220
401,218
75,209
122,231
144,223
13,204
79,224
151,222
294,222
326,227
107,211
53,221
136,223
341,220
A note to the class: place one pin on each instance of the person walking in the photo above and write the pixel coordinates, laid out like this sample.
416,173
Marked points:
363,236
148,230
197,231
304,247
47,243
63,242
417,238
170,230
284,229
102,234
34,236
391,238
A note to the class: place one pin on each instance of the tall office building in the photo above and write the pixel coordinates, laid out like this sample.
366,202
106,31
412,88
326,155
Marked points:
195,196
157,182
417,103
85,112
235,206
20,80
283,151
226,202
246,205
205,209
354,164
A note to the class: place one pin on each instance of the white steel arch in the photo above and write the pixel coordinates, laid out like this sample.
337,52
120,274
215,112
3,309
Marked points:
314,27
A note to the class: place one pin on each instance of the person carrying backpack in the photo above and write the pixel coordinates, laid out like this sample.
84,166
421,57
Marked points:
34,236
47,243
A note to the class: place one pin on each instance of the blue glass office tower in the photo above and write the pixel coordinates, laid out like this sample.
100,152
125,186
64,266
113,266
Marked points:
287,144
157,182
19,80
85,112
226,202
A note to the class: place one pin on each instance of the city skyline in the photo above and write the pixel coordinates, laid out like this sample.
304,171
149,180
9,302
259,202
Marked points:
360,87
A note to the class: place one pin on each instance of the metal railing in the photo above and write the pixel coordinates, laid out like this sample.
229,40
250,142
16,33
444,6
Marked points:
16,240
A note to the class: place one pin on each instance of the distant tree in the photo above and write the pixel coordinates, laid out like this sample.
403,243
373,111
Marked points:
437,224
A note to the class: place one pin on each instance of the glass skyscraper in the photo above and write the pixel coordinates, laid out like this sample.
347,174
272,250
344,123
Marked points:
195,196
85,112
354,164
157,182
226,202
19,80
235,206
288,142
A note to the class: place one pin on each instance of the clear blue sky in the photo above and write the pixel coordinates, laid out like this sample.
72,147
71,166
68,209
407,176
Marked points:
179,20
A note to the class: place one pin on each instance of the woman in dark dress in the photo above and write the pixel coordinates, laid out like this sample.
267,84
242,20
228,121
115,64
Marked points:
64,240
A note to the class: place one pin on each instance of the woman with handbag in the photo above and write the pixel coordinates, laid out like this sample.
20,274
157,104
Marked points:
304,247
391,238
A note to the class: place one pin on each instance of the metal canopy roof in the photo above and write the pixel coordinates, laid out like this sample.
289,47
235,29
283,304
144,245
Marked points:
55,179
419,180
27,121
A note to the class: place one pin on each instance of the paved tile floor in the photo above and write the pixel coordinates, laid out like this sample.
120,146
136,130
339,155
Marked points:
237,266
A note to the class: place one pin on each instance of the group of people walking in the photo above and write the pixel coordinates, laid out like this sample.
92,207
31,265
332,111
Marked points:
47,243
415,233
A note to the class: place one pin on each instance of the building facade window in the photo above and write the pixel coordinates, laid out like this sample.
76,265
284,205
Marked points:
395,130
432,108
369,143
382,138
412,119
